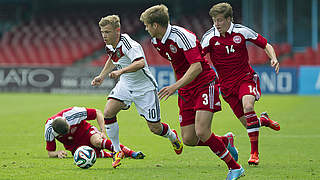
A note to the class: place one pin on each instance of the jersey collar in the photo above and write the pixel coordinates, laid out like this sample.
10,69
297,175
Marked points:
166,35
229,30
110,47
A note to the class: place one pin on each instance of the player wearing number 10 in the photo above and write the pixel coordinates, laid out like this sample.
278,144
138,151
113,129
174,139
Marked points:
226,44
136,85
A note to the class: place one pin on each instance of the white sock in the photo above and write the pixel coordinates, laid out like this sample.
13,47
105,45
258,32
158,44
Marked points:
170,135
113,134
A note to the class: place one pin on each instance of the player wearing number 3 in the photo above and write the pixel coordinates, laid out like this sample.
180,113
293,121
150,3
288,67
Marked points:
196,85
240,88
136,84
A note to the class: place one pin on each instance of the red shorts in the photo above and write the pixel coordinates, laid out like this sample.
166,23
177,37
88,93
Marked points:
203,98
250,85
84,140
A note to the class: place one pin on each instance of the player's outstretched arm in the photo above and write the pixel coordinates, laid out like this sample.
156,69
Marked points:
273,57
100,120
106,69
58,154
194,70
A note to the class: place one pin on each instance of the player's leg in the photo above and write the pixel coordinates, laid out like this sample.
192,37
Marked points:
147,104
203,131
253,127
163,129
100,143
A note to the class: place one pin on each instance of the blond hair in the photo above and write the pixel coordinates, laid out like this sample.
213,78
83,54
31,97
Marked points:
156,14
113,20
222,8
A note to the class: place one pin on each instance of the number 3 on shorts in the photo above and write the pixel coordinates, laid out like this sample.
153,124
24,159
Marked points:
205,99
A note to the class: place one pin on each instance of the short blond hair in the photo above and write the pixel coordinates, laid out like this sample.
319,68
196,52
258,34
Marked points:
113,20
156,14
222,8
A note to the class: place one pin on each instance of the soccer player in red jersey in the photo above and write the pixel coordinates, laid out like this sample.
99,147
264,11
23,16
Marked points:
70,127
239,84
196,83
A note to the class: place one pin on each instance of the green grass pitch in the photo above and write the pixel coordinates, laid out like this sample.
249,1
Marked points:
291,153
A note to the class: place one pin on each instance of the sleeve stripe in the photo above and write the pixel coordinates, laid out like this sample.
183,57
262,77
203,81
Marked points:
126,42
239,26
157,105
182,37
207,33
48,133
154,83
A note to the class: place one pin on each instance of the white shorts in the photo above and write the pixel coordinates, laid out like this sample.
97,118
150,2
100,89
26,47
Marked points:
146,102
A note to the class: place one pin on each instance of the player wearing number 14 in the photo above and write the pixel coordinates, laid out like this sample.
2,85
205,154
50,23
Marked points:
240,88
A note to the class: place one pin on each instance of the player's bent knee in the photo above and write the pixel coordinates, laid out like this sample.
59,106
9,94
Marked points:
189,141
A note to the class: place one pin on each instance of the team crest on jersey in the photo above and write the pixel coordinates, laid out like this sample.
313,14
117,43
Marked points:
173,48
118,53
237,39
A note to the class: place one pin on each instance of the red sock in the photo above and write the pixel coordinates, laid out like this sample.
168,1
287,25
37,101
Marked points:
104,154
165,128
253,130
127,152
216,145
107,144
223,139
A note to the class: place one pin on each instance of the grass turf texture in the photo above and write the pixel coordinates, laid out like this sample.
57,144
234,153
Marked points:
291,153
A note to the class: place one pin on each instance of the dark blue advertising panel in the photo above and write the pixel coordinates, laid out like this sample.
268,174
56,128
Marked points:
309,80
283,83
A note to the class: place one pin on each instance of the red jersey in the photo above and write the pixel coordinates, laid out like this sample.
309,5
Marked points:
76,117
229,54
182,48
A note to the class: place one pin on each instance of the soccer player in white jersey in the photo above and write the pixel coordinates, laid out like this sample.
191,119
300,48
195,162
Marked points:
136,84
239,83
70,127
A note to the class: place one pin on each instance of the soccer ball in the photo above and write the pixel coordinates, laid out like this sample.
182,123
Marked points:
84,157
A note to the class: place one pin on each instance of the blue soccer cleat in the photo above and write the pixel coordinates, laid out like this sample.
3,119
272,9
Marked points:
138,155
235,174
231,148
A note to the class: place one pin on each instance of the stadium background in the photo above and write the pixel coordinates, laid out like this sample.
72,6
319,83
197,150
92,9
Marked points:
55,45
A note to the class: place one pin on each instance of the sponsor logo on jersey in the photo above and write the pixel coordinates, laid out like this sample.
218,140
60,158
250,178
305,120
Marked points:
217,43
237,39
173,48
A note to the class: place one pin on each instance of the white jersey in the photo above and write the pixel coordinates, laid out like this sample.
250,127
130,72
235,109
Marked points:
126,52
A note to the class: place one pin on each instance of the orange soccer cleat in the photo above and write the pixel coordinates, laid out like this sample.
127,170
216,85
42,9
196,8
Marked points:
272,124
117,158
177,145
254,159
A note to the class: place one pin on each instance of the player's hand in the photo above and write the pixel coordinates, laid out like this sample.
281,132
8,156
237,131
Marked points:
97,81
115,74
62,154
166,92
103,135
275,64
